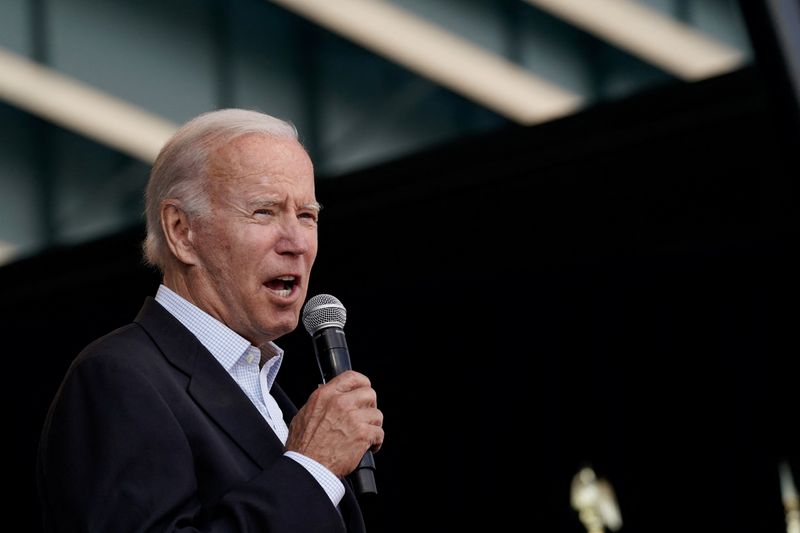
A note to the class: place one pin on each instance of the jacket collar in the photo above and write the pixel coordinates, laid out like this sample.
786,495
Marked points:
214,390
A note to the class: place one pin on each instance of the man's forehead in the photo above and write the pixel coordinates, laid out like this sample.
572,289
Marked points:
252,146
265,161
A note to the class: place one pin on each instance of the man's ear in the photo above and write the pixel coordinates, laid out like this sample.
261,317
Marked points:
177,232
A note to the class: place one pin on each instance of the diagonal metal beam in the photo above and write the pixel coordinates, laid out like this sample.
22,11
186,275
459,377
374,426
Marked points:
441,56
658,39
81,108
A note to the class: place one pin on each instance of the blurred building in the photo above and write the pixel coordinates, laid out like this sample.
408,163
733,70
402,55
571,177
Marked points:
89,90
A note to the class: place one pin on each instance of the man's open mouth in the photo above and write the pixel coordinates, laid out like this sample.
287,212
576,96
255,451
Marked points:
283,285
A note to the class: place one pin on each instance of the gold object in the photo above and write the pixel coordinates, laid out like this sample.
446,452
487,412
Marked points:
595,501
791,502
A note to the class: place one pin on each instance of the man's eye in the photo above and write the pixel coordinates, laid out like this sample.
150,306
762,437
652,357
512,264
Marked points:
308,217
263,212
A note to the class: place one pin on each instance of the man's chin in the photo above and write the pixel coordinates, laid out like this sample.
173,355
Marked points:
283,325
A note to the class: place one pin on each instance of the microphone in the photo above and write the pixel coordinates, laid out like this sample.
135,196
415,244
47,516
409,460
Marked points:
324,317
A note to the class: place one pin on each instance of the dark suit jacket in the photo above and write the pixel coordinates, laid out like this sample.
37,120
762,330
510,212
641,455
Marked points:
149,433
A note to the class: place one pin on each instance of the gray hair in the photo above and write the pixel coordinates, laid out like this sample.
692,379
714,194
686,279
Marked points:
181,169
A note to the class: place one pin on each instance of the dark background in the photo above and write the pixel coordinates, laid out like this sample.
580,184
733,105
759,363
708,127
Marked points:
616,289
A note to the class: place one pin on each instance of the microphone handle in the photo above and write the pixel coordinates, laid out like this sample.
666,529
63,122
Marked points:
333,358
363,477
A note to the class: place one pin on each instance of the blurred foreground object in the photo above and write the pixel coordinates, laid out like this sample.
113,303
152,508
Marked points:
595,501
791,503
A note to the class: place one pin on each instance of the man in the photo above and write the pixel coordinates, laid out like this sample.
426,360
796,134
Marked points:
175,422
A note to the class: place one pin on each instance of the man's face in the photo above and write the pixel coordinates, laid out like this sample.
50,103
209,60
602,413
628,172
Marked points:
256,247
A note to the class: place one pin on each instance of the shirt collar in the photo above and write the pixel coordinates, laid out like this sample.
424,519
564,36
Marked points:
227,346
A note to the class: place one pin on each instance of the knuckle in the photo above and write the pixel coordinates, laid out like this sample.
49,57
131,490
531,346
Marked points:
365,434
323,393
340,401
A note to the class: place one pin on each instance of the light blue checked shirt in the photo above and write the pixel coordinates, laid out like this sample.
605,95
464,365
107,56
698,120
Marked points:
241,360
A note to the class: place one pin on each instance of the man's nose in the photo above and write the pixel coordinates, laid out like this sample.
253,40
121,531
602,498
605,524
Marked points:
296,237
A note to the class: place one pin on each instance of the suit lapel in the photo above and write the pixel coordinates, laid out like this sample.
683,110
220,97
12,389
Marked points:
351,512
287,406
211,387
225,402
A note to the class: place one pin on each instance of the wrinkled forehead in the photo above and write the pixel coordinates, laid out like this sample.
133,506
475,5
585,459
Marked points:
259,164
261,153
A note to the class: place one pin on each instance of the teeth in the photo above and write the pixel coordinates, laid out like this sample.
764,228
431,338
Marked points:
287,283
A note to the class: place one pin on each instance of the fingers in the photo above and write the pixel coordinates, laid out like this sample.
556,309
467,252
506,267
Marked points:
349,380
370,422
375,423
369,429
359,398
350,390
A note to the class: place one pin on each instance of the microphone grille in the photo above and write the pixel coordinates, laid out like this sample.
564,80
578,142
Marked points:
323,311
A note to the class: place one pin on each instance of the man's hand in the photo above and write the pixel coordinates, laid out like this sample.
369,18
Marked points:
338,424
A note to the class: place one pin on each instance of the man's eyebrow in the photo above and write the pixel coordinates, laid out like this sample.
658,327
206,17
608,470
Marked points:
269,201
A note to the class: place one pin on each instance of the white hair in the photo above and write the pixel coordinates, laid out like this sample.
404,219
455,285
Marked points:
180,171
